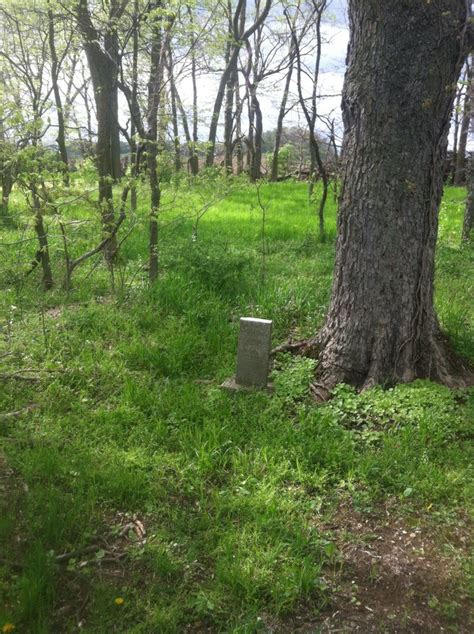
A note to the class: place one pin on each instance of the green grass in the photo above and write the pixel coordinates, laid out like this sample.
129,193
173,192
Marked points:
234,492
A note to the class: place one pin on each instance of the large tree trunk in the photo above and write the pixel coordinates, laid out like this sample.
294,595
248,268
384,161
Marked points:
403,64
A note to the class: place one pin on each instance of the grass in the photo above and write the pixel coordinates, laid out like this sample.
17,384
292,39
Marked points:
130,429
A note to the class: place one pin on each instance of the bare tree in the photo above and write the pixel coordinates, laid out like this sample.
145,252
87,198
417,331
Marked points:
311,111
239,37
55,67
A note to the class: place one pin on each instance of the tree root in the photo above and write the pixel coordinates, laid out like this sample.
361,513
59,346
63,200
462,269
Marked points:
437,362
305,348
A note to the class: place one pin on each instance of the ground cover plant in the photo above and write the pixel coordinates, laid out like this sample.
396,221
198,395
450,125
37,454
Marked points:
136,496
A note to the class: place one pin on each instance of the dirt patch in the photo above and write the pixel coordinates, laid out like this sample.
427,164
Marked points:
397,574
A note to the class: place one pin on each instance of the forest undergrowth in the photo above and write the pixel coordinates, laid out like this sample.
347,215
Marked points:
137,496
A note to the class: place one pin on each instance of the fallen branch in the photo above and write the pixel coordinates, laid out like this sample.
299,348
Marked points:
73,554
19,377
18,374
19,412
296,346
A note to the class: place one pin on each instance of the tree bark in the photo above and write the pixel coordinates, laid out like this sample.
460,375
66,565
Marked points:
281,117
160,35
42,255
460,173
403,64
229,94
176,139
469,209
457,106
194,159
257,120
134,107
468,223
229,122
154,94
238,127
7,180
103,65
61,138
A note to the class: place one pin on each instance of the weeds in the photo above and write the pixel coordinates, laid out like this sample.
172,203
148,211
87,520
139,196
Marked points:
235,494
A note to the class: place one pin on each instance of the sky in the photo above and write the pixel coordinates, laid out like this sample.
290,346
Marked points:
335,39
335,34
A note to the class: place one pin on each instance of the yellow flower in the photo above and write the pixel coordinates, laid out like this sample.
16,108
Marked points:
118,601
8,627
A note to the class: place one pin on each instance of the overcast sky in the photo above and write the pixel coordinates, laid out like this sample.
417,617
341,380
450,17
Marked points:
335,35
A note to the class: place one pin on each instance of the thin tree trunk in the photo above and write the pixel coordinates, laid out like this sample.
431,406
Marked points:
457,106
194,167
238,128
229,122
286,92
239,38
460,174
311,116
468,223
194,160
105,169
279,127
7,186
61,137
469,209
154,93
159,45
256,164
103,65
134,107
176,140
42,254
229,96
381,326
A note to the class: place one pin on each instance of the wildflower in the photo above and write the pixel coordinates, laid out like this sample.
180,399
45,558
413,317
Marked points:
8,627
119,601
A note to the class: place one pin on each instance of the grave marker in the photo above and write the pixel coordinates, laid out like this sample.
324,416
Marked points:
253,355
